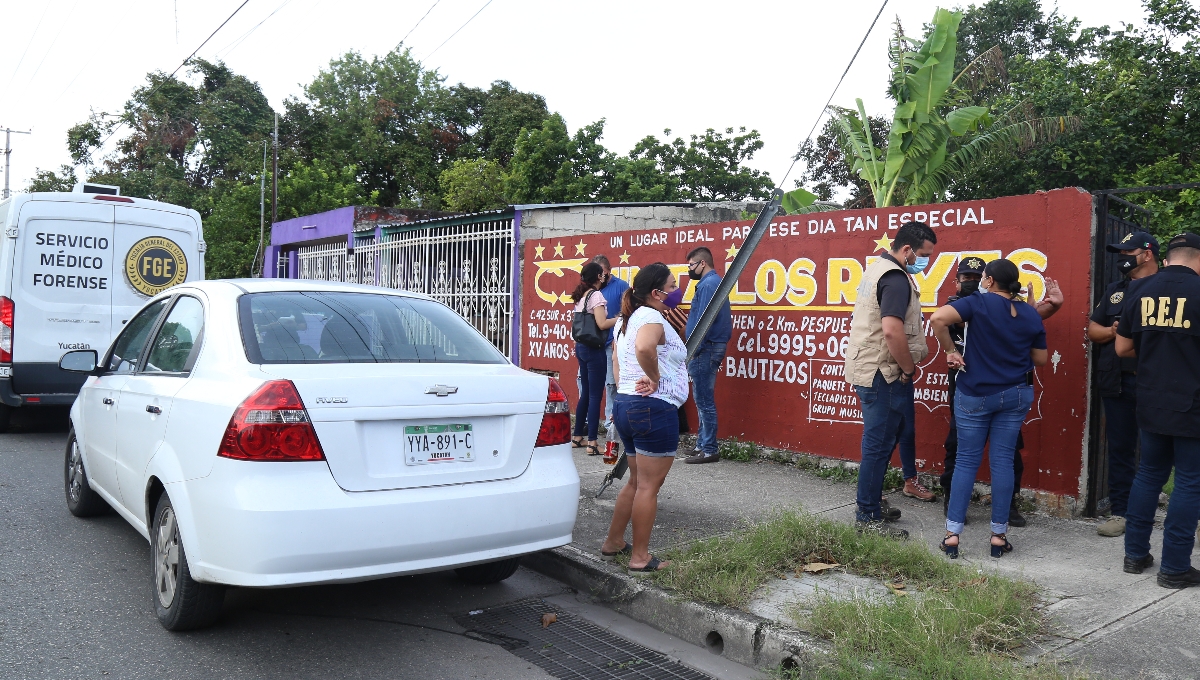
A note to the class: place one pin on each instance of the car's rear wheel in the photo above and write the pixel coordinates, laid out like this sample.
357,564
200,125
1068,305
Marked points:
180,602
82,501
5,416
492,572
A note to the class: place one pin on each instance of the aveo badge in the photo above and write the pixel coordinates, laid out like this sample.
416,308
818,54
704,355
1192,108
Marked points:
155,264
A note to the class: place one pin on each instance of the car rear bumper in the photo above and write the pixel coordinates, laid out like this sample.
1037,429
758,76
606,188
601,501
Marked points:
285,524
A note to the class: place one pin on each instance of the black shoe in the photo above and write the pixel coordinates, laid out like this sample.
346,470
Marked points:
702,458
946,504
1015,518
876,526
889,513
1187,579
1133,566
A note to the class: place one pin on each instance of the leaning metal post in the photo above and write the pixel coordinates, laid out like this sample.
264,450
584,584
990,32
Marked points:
733,272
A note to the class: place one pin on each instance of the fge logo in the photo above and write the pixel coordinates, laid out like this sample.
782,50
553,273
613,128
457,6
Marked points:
155,264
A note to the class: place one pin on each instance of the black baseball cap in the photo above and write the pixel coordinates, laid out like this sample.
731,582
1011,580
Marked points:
1138,239
1184,240
971,265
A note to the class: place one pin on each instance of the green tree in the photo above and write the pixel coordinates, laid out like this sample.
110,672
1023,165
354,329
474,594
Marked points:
471,185
50,180
1135,92
708,167
549,165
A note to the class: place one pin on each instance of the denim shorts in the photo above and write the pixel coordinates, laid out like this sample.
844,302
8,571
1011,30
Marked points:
648,426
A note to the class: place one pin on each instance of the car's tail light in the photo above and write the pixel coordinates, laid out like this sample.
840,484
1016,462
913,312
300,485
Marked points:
271,424
556,421
6,330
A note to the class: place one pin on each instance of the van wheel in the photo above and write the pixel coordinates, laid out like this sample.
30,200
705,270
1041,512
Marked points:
492,572
82,501
180,602
5,416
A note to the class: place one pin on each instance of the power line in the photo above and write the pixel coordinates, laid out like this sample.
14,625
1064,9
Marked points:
61,26
825,108
237,42
27,45
427,56
435,4
181,65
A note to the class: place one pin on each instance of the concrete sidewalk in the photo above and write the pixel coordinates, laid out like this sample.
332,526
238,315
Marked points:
1118,624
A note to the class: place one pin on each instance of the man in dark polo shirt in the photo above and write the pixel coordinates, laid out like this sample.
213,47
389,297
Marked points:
1117,377
1160,326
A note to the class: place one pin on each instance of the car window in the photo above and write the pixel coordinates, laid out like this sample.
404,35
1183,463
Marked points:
129,345
175,347
312,327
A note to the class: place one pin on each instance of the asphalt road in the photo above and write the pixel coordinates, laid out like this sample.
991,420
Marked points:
75,602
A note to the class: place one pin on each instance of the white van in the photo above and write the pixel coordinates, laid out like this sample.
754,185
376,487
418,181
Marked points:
74,267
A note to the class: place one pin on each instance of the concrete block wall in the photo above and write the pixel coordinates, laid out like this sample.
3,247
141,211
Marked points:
537,223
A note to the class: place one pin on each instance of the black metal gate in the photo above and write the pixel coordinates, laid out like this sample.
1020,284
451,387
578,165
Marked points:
1114,218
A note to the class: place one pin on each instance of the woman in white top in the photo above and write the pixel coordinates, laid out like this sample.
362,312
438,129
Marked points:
652,382
593,361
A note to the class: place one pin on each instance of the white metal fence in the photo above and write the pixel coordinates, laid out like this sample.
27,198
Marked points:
468,267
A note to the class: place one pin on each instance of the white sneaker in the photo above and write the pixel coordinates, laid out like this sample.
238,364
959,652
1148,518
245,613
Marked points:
1115,526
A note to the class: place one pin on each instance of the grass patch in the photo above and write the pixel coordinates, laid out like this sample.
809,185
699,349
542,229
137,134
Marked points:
956,624
732,449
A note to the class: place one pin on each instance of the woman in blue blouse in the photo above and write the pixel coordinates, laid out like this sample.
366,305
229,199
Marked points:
1004,339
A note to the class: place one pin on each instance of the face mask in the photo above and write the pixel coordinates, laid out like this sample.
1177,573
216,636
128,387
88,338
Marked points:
967,287
919,266
1126,263
673,298
693,275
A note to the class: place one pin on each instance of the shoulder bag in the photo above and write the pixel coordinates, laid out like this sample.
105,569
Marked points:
584,329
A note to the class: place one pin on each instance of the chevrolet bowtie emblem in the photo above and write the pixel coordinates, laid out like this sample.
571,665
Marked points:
441,390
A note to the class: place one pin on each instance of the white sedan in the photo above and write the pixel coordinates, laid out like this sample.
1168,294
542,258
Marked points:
277,432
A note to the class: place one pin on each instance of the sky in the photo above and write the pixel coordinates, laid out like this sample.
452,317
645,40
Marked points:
641,65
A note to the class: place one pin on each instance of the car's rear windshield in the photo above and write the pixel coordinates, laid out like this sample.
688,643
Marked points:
333,328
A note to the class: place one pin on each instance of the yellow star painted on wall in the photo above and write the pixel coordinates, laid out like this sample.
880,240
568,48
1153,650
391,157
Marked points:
558,250
731,252
538,251
883,243
625,257
579,247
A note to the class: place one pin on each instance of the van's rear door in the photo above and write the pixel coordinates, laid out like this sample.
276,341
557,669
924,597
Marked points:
62,289
156,249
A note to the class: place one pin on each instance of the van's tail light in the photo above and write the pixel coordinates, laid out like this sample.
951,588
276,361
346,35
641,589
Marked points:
556,421
6,330
271,424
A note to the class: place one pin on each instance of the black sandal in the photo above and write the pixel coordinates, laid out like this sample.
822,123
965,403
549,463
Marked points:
577,443
651,567
950,550
999,550
593,450
609,556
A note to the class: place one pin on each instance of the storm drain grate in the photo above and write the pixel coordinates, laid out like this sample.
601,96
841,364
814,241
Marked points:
571,647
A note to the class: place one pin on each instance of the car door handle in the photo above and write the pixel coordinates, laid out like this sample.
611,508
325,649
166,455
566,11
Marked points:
107,401
153,409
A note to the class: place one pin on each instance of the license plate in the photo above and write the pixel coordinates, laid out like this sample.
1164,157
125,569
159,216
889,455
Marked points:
429,444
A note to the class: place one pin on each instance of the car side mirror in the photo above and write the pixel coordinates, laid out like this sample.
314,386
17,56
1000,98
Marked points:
79,361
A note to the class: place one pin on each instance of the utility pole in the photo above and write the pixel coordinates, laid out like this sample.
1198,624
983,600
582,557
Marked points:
8,152
262,212
275,176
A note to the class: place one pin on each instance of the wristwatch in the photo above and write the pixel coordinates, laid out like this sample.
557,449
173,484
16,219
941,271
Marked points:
907,376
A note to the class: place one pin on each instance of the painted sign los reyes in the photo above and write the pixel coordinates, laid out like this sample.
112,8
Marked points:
782,384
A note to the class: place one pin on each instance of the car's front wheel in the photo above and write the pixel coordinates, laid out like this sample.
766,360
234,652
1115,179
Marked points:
492,572
180,602
82,501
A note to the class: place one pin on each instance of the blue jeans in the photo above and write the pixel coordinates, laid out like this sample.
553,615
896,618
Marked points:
591,391
884,407
1121,430
703,369
1160,453
906,438
998,418
648,426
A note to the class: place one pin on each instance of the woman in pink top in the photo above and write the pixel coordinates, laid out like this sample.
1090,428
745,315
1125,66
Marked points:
593,362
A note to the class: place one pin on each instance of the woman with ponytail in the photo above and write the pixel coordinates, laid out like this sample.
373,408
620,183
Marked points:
593,361
1004,340
652,382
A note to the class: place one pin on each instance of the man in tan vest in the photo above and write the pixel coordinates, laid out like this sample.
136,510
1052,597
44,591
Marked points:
887,339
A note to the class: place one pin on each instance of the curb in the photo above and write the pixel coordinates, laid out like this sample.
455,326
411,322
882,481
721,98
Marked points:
736,635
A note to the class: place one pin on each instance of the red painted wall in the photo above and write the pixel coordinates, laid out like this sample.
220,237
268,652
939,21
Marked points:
782,385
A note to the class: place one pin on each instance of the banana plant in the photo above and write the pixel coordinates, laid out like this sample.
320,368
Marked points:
936,133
